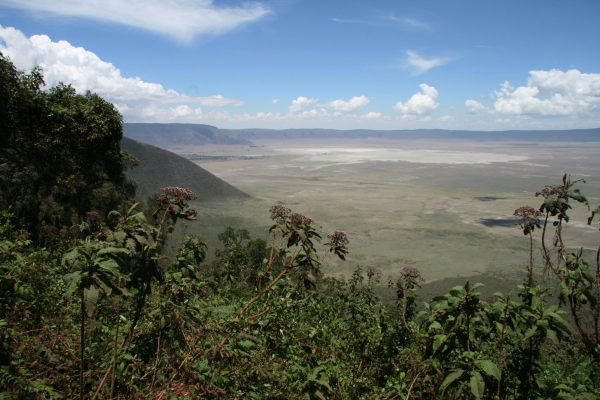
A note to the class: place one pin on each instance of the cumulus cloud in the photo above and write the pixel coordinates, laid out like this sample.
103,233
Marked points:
183,20
420,103
473,107
372,114
301,103
551,93
354,104
62,62
275,101
420,65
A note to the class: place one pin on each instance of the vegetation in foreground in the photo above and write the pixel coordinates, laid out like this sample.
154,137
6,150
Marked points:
90,307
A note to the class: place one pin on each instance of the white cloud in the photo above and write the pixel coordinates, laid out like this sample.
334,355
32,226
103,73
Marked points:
354,104
473,107
182,20
62,62
412,22
301,103
428,118
420,65
420,103
447,118
275,101
373,114
552,93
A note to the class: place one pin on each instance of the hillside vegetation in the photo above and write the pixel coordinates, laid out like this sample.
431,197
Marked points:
159,168
91,308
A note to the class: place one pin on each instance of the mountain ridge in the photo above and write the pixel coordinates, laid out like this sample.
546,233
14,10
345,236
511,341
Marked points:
167,135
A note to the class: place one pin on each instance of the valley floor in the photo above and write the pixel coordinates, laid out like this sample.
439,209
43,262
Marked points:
443,207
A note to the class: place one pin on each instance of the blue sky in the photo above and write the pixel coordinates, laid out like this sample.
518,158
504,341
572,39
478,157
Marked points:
321,64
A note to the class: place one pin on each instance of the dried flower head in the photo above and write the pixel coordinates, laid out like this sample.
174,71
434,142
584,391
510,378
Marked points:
410,277
179,193
550,190
373,273
300,220
279,212
527,213
338,238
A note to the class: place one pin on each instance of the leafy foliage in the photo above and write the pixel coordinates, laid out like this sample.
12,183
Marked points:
59,151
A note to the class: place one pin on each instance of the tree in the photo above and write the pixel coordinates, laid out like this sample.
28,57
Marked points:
60,152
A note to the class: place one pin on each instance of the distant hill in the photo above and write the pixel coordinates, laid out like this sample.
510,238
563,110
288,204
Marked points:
165,135
160,168
573,135
168,135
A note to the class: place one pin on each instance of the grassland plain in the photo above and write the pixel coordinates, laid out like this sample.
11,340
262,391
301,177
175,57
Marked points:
443,207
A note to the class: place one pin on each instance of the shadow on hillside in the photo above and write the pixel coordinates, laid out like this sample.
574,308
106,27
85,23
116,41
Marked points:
495,223
490,198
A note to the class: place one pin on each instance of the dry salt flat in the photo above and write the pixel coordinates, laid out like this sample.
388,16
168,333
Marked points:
360,155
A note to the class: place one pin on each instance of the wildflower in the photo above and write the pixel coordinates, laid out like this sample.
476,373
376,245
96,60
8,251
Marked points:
300,220
550,190
411,277
279,213
338,238
528,213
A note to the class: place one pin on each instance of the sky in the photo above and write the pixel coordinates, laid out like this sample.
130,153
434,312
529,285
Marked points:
341,64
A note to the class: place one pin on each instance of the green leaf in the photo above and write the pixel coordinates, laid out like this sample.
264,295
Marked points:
530,332
120,236
73,280
452,377
131,208
112,250
91,300
489,368
577,196
477,385
549,310
553,336
111,266
590,297
439,339
247,343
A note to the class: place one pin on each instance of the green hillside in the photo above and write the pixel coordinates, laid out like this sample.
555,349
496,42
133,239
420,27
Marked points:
160,168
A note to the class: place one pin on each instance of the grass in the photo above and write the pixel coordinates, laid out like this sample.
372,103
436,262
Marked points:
453,222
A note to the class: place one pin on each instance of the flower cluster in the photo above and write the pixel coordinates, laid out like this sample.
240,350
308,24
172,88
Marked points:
179,193
528,213
373,273
411,277
300,220
279,212
550,190
338,238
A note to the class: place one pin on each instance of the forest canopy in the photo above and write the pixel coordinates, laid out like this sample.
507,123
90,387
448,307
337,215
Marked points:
59,151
